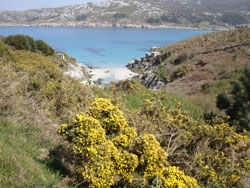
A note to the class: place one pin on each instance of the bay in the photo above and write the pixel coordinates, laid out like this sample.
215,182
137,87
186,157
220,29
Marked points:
103,47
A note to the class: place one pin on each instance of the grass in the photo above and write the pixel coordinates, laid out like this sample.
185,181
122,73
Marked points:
188,106
22,151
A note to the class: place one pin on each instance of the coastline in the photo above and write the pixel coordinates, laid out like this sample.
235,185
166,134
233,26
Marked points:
105,25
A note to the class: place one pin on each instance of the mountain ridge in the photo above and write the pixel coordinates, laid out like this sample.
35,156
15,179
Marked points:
138,14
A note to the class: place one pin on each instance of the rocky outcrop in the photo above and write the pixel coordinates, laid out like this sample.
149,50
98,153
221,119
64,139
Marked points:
78,71
150,81
145,67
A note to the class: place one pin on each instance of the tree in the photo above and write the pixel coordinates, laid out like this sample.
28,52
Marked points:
237,103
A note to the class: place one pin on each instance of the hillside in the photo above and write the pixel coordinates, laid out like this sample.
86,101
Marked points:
57,132
197,64
139,14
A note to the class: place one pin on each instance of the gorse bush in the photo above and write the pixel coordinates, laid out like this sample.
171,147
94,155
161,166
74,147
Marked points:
110,151
216,155
40,79
101,137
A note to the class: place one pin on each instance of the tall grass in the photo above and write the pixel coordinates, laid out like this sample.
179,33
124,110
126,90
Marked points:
22,151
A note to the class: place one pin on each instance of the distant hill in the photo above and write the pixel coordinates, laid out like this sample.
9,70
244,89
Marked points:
206,63
137,13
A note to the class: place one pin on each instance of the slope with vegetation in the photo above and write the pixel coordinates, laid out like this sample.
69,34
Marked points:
123,135
204,65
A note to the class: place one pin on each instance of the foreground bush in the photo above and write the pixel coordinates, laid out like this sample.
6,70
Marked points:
110,152
215,154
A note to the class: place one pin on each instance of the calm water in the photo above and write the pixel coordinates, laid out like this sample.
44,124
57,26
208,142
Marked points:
103,47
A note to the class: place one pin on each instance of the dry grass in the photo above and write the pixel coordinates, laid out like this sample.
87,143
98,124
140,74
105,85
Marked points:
204,59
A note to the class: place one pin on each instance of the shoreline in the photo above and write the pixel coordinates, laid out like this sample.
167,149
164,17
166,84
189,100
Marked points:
94,75
125,26
107,75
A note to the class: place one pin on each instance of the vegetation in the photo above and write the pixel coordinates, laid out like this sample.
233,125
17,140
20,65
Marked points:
120,16
44,48
106,148
152,20
196,66
22,42
82,17
233,18
237,104
123,135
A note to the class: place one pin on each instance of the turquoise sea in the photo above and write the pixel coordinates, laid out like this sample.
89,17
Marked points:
103,47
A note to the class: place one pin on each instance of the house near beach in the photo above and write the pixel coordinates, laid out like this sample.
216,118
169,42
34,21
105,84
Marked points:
60,55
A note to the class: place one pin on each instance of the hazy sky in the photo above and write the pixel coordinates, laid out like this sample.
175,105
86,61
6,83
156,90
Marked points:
29,4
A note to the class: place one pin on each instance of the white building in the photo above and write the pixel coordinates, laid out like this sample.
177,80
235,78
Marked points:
60,55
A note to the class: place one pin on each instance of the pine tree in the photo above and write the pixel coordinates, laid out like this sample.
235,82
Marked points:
237,103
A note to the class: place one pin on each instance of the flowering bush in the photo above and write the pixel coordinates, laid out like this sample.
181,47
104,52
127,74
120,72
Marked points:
216,155
110,150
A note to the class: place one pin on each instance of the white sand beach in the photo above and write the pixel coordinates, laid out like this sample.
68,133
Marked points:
106,75
111,74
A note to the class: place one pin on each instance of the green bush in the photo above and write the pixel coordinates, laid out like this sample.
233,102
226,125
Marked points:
22,42
44,48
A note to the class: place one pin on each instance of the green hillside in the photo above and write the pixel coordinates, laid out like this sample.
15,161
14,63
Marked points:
201,66
57,132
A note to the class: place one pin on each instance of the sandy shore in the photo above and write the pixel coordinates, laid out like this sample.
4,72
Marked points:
104,75
111,74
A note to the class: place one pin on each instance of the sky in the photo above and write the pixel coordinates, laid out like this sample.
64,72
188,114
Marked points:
30,4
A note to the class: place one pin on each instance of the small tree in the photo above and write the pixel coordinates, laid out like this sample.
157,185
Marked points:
237,103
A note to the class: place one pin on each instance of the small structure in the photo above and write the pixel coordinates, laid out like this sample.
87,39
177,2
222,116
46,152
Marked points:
60,55
155,54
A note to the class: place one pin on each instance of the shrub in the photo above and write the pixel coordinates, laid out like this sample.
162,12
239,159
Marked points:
110,152
44,48
22,42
